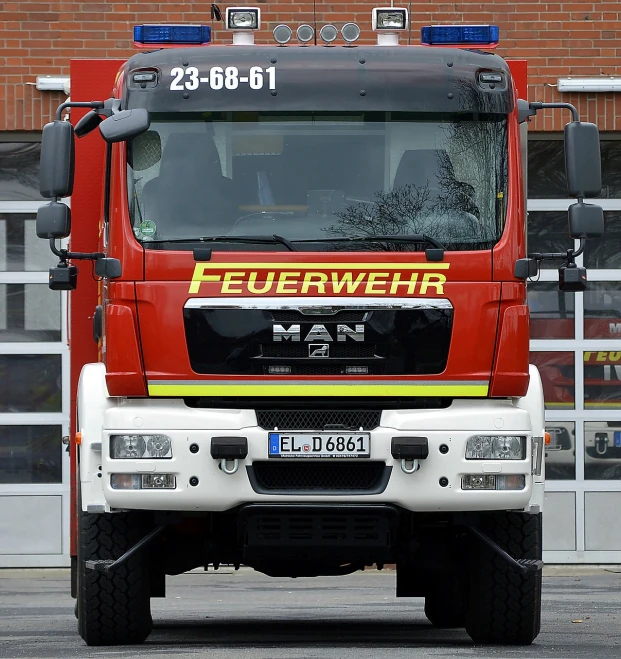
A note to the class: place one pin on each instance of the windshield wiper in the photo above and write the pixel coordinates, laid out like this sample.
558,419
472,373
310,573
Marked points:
229,239
382,238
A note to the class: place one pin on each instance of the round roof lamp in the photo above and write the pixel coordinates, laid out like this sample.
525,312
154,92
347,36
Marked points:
282,34
350,32
328,33
305,33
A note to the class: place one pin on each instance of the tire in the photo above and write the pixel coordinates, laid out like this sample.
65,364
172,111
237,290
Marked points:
445,610
113,609
504,606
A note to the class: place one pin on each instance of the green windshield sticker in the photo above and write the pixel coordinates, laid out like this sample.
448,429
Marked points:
148,228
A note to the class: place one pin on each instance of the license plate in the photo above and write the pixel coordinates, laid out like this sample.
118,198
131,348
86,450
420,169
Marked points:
319,445
617,439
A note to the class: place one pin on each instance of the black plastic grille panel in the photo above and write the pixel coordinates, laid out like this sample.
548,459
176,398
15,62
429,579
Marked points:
306,476
319,530
318,419
301,350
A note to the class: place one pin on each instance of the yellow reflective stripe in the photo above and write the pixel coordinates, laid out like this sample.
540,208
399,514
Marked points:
367,267
357,389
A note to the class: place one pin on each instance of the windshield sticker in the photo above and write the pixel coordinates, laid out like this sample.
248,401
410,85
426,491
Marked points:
321,278
148,228
220,77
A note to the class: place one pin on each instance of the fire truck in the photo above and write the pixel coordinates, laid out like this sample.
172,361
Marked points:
551,317
304,269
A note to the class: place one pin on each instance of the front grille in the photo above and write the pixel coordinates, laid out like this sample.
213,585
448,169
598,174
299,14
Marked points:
318,419
301,350
307,476
343,316
319,530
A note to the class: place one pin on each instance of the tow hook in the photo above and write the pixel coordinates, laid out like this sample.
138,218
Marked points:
229,450
410,450
601,443
409,466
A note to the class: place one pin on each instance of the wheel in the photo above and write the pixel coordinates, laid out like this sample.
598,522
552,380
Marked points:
445,609
113,609
504,606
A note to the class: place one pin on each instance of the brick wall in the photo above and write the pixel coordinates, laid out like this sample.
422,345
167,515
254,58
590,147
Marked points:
557,38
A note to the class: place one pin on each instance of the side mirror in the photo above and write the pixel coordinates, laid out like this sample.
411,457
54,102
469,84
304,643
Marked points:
583,159
124,125
586,221
53,220
107,267
88,123
57,160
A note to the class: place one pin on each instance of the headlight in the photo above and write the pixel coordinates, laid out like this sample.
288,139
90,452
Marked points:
140,446
493,447
158,446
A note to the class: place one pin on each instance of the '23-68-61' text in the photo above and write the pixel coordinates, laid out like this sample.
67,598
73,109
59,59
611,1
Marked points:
222,78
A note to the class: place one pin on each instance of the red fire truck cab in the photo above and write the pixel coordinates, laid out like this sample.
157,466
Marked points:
308,296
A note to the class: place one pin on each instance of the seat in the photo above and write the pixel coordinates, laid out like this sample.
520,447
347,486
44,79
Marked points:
190,195
432,170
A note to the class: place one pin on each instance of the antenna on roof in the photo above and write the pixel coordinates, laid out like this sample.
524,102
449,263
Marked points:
314,23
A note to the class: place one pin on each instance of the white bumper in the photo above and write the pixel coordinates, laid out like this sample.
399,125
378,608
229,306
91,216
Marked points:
101,416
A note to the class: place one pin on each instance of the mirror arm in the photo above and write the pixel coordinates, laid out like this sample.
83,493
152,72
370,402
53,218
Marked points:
581,248
538,105
64,255
94,105
569,256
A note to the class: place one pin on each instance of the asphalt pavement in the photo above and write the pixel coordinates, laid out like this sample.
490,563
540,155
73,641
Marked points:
245,615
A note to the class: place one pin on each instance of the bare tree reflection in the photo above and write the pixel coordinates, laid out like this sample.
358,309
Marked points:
459,200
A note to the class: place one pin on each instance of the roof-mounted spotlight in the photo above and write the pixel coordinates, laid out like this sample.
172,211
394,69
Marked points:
388,22
350,33
305,33
243,21
328,33
282,34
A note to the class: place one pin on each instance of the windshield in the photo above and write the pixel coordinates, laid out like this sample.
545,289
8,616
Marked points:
319,178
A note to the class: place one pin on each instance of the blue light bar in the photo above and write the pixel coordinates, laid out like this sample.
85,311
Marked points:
453,35
178,34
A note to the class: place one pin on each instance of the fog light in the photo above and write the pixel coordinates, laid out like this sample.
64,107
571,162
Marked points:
478,482
158,482
511,482
493,482
125,481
